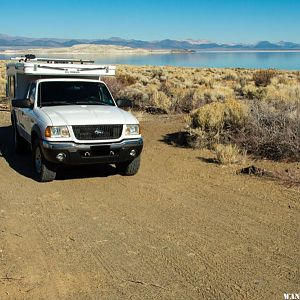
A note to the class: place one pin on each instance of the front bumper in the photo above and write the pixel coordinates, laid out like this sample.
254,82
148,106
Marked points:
78,154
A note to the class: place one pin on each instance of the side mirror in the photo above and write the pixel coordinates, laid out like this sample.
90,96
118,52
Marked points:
124,103
21,103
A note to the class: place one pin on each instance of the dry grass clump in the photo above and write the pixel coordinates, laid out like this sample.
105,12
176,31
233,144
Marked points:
263,77
209,117
159,99
279,92
251,91
228,154
215,123
218,116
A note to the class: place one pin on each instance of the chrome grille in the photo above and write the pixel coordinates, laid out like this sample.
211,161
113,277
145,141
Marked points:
97,132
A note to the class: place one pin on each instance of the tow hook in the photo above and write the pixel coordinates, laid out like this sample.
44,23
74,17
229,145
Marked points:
87,154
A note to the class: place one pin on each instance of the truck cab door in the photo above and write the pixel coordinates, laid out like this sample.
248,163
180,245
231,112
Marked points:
27,113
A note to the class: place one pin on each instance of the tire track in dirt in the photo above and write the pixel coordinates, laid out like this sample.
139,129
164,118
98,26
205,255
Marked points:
66,238
165,259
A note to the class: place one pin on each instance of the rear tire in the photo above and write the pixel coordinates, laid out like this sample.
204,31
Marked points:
44,171
129,168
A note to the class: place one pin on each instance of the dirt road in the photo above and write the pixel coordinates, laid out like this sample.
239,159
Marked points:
183,228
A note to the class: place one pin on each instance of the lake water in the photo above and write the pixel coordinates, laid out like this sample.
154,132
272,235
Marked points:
257,60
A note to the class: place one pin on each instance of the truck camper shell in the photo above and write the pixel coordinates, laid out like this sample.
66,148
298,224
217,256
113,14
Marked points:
28,68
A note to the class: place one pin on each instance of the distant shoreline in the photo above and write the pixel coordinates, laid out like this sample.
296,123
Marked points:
84,49
92,49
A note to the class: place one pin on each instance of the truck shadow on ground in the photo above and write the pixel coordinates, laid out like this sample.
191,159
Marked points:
91,171
178,139
21,163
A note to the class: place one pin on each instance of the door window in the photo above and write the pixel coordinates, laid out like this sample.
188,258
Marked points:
31,94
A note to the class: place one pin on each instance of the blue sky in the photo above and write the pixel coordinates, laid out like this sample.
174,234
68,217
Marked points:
215,20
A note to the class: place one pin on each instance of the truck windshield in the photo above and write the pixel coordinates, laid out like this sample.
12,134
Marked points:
52,93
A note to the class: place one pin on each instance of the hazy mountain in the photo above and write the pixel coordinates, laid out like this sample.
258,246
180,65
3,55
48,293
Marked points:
189,44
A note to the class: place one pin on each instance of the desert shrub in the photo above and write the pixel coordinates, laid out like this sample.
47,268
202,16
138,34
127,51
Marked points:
135,94
282,79
169,88
201,80
160,100
217,115
230,75
263,77
228,154
249,91
209,117
216,122
235,114
182,101
198,138
218,93
157,73
282,92
126,79
271,131
242,80
266,130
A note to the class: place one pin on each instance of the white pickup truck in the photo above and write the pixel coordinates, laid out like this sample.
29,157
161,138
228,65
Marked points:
68,116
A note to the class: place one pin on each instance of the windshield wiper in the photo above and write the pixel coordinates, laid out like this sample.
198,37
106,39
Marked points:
89,102
53,103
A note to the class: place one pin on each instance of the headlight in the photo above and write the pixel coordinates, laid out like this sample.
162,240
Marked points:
132,129
57,132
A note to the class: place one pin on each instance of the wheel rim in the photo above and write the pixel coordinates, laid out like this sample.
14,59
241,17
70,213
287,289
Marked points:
38,160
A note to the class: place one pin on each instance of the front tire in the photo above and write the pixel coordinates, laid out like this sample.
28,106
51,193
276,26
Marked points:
43,170
129,168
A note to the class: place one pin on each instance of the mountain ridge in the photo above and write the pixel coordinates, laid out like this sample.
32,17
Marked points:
170,44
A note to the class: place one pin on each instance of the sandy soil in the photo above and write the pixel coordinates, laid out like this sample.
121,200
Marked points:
183,228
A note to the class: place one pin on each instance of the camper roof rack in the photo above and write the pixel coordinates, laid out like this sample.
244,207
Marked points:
42,66
32,57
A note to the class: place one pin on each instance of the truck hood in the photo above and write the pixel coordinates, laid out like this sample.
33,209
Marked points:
87,115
